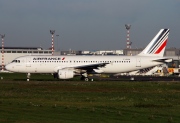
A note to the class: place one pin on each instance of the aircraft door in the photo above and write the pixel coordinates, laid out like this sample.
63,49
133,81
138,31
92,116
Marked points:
28,62
138,62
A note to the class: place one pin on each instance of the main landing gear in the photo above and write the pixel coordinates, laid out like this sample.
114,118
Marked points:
85,77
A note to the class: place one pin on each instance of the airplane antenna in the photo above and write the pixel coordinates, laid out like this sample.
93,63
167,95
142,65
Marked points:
128,27
52,33
2,36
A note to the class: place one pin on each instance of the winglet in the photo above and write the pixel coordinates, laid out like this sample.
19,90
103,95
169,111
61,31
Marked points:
158,44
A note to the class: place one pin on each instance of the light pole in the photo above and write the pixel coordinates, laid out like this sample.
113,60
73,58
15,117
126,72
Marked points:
52,33
128,27
57,42
2,36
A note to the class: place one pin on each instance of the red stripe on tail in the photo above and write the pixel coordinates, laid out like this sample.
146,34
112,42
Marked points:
160,48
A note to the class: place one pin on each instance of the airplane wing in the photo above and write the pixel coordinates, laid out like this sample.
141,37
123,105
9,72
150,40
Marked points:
90,67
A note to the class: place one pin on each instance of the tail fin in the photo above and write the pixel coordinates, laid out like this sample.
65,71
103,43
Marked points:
158,44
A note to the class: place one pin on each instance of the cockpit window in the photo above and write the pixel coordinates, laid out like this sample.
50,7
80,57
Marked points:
16,61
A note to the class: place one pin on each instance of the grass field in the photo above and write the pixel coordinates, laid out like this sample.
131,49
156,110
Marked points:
45,101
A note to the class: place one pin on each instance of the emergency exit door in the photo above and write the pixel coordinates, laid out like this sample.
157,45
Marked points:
138,62
28,62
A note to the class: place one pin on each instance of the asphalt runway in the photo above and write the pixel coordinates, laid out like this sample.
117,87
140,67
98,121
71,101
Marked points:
138,78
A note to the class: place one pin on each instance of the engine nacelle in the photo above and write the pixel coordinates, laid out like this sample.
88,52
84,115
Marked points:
65,74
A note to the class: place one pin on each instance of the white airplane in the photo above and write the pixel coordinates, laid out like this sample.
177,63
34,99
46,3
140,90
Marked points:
66,67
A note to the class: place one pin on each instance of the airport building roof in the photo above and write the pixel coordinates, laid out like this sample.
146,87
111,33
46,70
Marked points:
23,48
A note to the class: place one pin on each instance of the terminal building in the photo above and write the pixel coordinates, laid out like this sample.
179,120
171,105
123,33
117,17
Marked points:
168,51
99,52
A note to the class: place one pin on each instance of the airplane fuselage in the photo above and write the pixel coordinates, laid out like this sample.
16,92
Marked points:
51,64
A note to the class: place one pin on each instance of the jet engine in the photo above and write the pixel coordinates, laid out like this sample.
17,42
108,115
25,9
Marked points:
65,74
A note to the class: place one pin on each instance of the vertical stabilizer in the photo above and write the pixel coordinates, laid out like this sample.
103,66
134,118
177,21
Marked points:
158,44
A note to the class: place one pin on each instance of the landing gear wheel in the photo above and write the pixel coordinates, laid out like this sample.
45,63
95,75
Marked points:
86,79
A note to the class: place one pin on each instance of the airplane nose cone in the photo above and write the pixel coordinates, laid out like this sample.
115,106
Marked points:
8,67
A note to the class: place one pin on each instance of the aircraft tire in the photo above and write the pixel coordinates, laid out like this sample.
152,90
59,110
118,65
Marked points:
86,79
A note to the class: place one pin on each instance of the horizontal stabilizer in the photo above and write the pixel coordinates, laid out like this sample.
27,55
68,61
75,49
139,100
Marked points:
164,60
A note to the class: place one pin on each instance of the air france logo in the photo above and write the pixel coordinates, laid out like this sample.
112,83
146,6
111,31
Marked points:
49,58
63,58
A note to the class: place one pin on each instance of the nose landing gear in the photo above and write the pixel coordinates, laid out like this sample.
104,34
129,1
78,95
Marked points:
28,76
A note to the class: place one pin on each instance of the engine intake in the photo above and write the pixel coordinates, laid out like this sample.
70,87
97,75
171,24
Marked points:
65,74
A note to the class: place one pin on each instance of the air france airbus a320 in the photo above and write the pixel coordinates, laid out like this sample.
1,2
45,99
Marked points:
66,67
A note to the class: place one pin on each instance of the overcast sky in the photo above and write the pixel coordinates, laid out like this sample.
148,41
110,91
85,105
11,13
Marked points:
88,24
